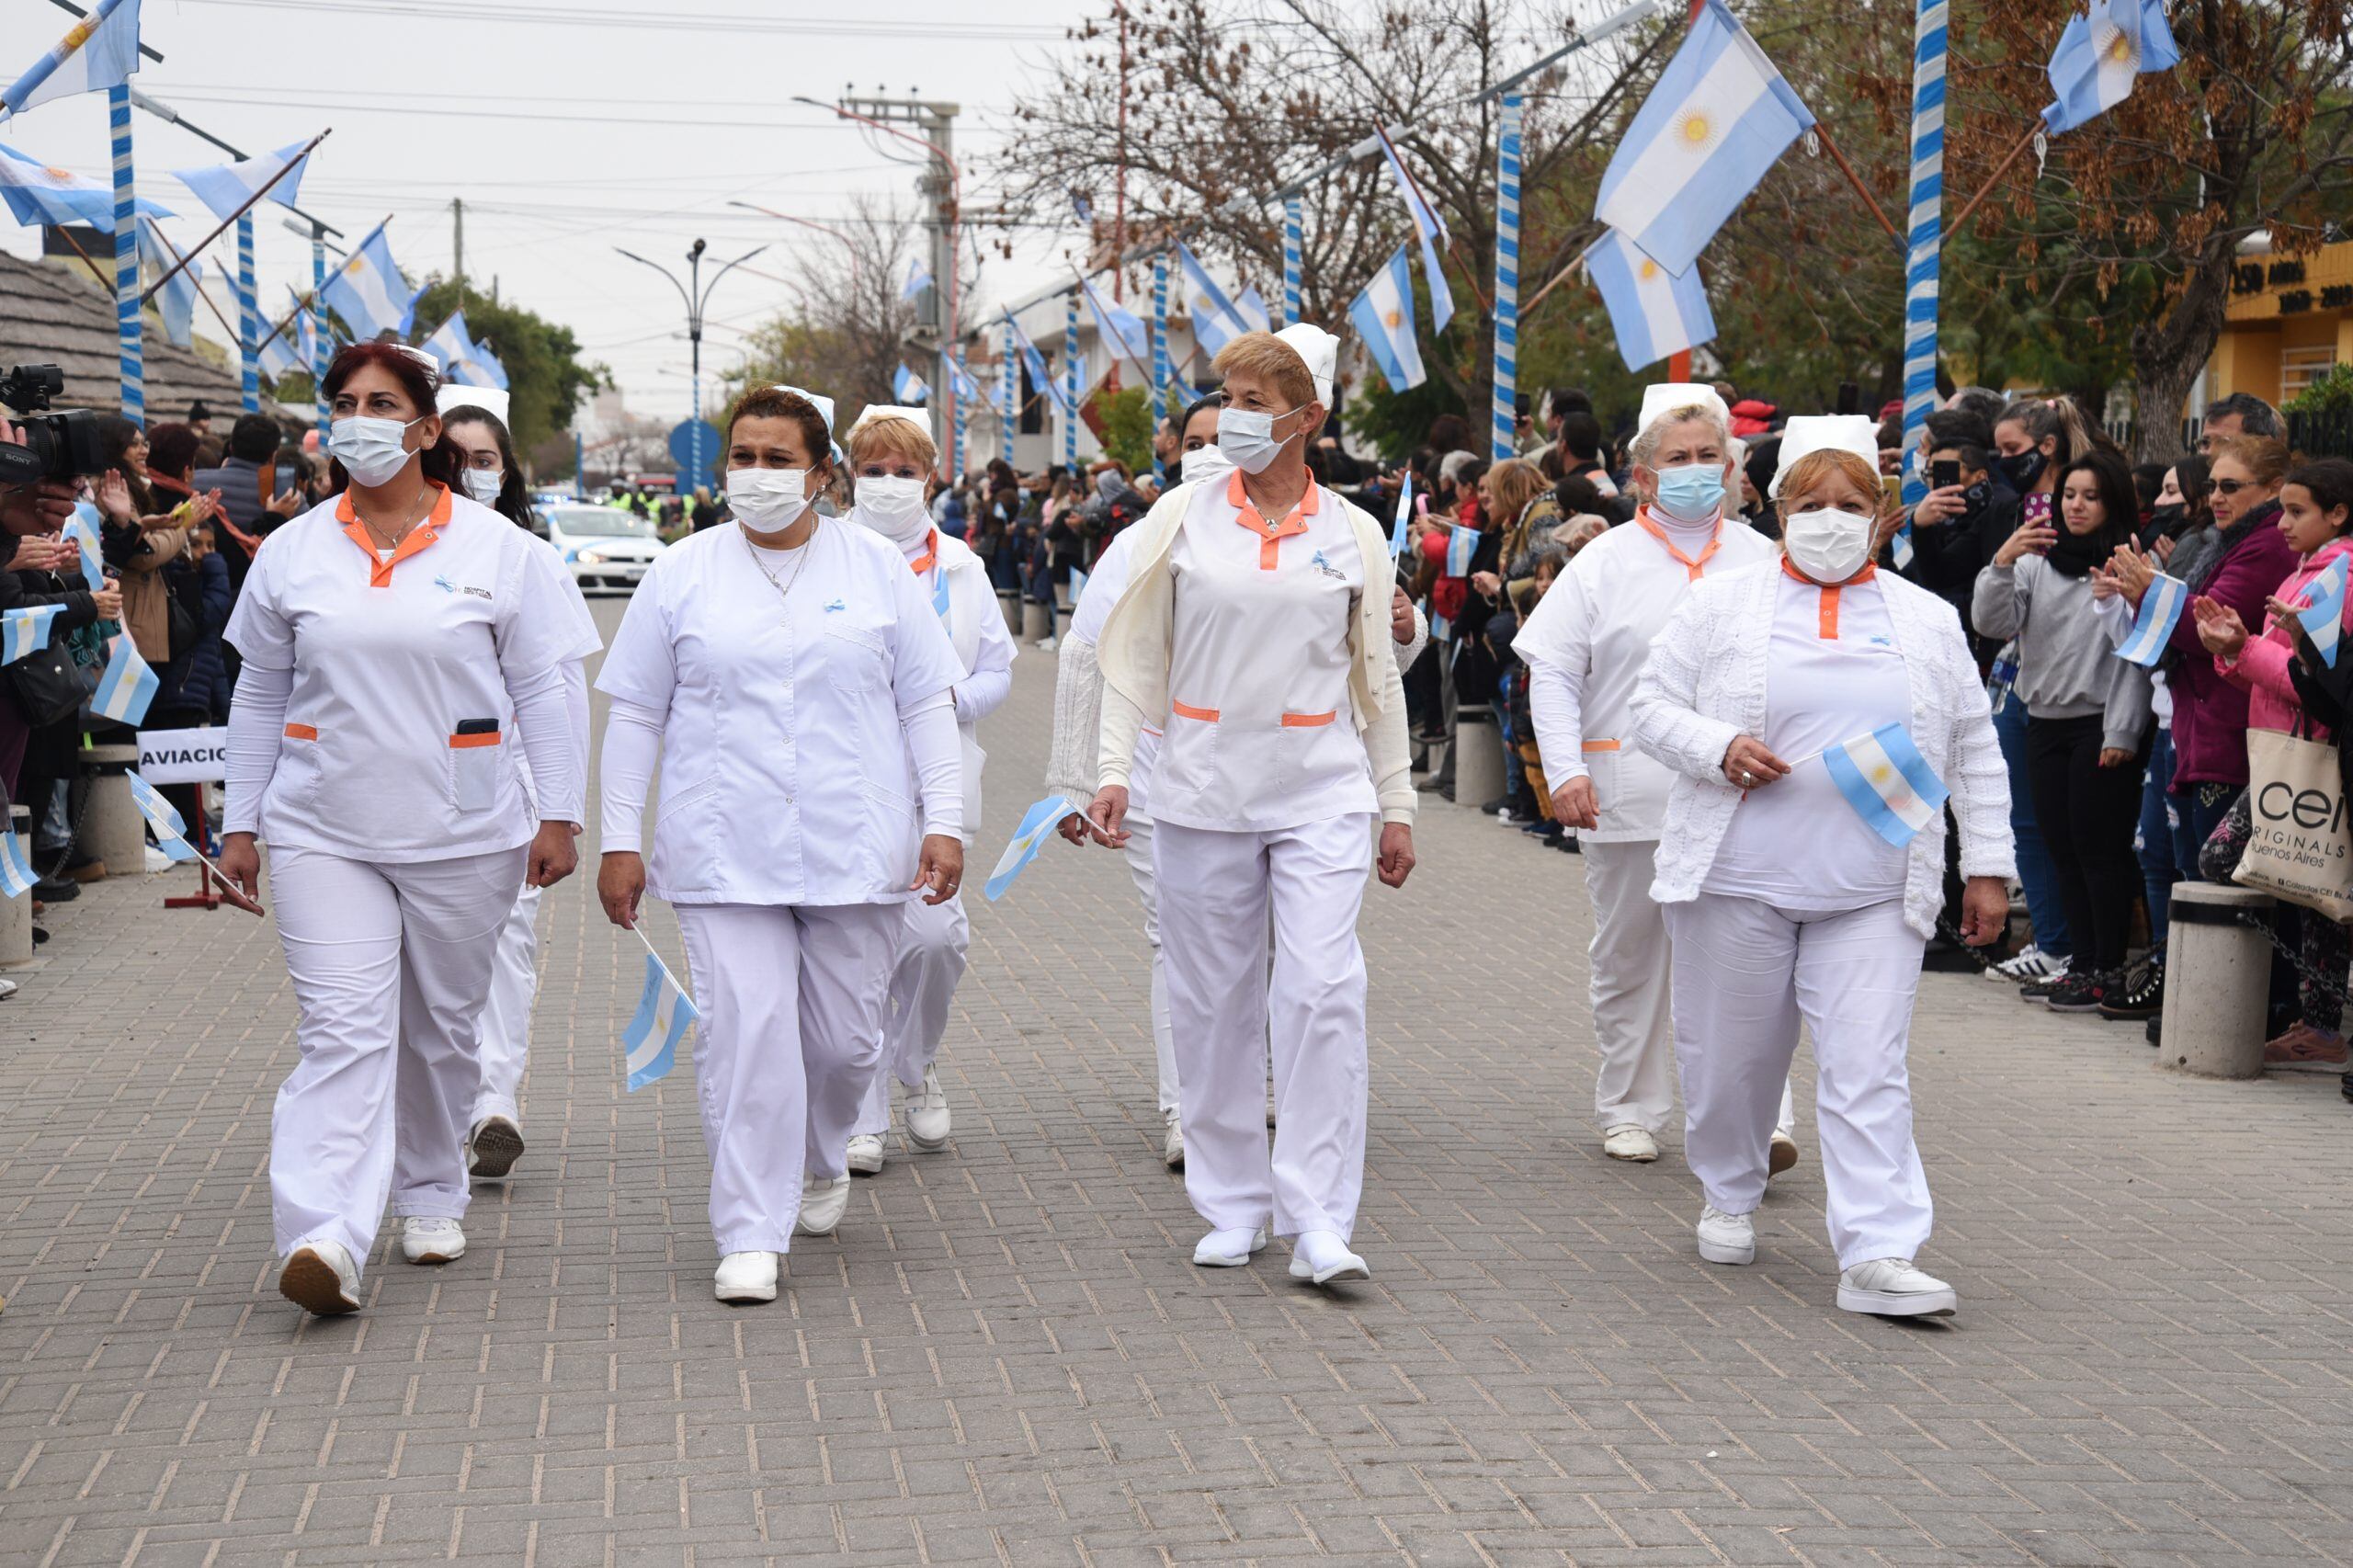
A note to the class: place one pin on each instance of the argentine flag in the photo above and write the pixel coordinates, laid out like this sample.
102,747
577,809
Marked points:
127,687
2153,627
1253,309
1718,118
1405,515
2099,55
665,1013
1216,322
1384,316
171,830
368,291
81,528
25,631
16,873
1049,384
919,278
961,382
2323,612
453,347
1460,546
38,193
101,50
175,301
1122,334
1654,312
1429,226
908,387
225,187
1888,783
1036,824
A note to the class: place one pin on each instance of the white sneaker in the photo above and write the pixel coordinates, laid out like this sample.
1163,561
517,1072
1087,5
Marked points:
1228,1249
432,1238
2029,963
1044,646
494,1146
1727,1238
1629,1140
746,1276
1893,1288
1323,1256
823,1203
1783,1156
927,1116
320,1278
1172,1146
866,1153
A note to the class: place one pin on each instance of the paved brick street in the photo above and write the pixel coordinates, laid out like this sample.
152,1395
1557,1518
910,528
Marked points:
1005,1355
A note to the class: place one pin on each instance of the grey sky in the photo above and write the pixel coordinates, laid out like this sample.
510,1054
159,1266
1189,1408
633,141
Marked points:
565,138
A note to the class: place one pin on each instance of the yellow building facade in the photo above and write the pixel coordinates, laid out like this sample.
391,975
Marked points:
2291,321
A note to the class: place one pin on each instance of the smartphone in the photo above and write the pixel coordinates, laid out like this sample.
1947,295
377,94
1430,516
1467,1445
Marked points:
1944,473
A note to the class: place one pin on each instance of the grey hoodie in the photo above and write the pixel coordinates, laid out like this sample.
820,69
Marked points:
2067,662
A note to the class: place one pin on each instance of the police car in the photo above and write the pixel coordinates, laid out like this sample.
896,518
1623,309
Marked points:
607,548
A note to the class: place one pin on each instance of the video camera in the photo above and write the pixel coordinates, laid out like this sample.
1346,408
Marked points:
57,446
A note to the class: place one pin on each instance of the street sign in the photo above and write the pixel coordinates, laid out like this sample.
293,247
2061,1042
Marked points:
683,453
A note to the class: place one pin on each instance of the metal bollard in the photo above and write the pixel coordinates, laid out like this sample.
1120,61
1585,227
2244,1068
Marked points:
1478,757
112,829
2218,978
1033,621
16,913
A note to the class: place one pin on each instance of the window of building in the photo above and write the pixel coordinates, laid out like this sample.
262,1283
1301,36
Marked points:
2299,368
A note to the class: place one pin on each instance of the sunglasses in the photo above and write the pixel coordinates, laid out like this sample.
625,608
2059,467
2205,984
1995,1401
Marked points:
2228,486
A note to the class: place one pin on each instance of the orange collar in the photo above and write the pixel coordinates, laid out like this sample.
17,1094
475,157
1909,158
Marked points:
1270,539
379,571
930,556
1826,619
1694,566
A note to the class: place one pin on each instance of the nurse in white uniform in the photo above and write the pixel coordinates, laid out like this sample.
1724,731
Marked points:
401,643
1783,901
1583,646
1261,649
794,681
891,452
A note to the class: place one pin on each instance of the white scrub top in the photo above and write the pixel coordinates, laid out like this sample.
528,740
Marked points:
786,778
400,743
956,581
1104,587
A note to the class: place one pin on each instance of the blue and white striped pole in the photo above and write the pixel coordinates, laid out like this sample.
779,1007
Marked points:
249,317
963,418
320,342
126,260
1070,381
1158,399
1926,232
1009,385
1506,376
1294,244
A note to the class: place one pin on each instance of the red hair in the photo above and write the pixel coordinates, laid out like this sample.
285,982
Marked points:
445,460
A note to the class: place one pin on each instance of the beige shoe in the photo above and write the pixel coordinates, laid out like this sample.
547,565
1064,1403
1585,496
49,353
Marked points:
319,1277
494,1146
1784,1156
1630,1141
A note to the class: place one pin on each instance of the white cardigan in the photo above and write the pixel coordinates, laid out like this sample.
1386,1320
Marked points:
1704,687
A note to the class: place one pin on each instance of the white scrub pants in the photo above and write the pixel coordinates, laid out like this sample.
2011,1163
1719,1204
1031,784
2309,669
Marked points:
932,943
1216,889
793,1002
1745,972
1631,963
391,965
506,1019
1164,1036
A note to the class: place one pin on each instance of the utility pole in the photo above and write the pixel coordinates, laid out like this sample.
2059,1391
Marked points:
457,243
936,329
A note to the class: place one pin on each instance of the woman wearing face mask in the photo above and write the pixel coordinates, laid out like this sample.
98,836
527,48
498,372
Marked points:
891,450
402,643
1261,649
1783,902
793,679
2087,715
1583,647
494,1135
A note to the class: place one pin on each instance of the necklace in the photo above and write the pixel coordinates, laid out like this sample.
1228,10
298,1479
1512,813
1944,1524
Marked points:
783,589
416,511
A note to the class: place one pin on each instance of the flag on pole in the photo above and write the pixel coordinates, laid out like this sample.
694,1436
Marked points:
23,631
960,381
485,370
2153,628
460,358
908,387
2100,55
1718,118
919,278
81,528
42,193
175,301
1405,515
1383,314
369,293
2323,612
16,877
127,687
1049,384
1253,309
101,50
1432,231
226,188
1888,783
1036,824
171,829
279,355
1082,207
1462,546
665,1012
1654,312
1216,323
1122,332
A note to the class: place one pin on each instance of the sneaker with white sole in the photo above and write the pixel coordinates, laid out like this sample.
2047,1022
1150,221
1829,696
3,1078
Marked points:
746,1276
1727,1238
1324,1256
2029,963
927,1119
493,1147
321,1279
1172,1145
866,1153
1230,1249
1894,1287
823,1204
1630,1141
432,1238
1783,1155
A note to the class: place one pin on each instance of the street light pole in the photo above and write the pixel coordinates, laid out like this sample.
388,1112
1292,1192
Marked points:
698,299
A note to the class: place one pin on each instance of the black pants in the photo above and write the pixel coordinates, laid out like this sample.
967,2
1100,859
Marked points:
2088,814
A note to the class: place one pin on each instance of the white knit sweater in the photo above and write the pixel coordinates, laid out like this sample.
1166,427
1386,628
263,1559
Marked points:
1704,687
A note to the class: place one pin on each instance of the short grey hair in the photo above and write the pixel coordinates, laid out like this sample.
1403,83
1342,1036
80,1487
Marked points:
1646,441
2257,417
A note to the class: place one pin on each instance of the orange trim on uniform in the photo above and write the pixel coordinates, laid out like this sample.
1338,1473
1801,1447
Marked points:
1270,539
379,571
1601,745
1825,624
1695,567
467,743
930,556
302,732
1206,715
1309,720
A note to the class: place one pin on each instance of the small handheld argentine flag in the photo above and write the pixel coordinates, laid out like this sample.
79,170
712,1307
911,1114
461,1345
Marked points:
26,630
1405,515
1460,546
81,528
1888,783
1036,824
2323,611
171,829
1078,585
127,687
665,1013
2153,628
16,873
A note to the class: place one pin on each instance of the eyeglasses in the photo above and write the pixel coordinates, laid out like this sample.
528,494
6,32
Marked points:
2228,486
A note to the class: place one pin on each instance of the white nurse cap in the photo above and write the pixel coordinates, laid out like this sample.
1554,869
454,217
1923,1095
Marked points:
1855,433
1667,396
1322,352
874,410
490,400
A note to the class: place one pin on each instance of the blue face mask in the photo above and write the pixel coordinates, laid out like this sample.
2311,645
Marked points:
1690,493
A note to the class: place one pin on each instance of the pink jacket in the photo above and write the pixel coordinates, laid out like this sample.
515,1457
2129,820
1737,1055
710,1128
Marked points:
2261,668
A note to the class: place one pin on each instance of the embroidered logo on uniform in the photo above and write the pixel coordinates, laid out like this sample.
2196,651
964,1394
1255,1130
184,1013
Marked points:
479,593
1883,641
446,585
1324,566
836,607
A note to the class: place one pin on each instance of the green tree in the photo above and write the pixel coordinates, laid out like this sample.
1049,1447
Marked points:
1125,426
547,379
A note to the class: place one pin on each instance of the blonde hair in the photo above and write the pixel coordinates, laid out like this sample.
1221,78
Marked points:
2265,457
892,434
1822,464
1264,355
1514,482
1645,445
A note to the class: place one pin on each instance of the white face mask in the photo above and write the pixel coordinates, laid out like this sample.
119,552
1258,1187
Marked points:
768,499
892,507
1204,463
1247,437
1827,544
371,451
484,484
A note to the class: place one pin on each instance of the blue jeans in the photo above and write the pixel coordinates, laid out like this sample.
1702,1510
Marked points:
2036,873
2160,857
2196,816
1515,772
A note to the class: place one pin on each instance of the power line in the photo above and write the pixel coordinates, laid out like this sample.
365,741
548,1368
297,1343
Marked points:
477,11
408,109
